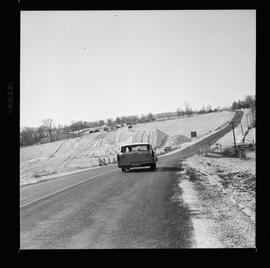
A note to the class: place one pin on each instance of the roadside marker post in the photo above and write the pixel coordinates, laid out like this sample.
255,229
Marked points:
247,121
235,148
251,120
242,128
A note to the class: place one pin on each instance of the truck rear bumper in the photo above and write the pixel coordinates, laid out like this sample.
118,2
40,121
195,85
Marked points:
130,165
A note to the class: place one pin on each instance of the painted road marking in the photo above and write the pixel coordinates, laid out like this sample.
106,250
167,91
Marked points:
161,156
43,197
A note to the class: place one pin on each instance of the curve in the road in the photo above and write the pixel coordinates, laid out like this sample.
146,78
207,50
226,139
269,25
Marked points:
112,209
47,189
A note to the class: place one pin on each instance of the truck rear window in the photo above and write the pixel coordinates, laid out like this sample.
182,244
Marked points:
136,148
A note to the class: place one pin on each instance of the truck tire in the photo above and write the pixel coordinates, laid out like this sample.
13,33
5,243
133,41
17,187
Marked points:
123,169
153,166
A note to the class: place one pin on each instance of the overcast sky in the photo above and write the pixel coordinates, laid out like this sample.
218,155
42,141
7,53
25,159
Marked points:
91,65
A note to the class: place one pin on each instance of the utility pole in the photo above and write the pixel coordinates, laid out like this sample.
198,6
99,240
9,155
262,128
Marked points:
242,132
235,149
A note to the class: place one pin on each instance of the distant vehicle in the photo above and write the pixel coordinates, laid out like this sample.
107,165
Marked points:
97,130
130,126
91,131
167,148
137,155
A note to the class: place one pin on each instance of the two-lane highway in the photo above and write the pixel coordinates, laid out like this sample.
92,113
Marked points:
115,210
105,208
34,192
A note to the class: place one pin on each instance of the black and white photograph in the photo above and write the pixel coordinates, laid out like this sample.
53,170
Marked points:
137,129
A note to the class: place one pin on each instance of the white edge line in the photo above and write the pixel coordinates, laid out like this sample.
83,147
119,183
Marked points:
170,153
28,203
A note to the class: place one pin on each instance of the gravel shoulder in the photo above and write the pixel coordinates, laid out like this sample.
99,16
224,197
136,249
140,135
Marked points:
220,193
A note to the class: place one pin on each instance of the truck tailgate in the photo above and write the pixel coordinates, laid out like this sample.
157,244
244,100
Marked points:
135,157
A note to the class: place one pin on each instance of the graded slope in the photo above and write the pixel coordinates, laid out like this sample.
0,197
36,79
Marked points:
83,152
202,124
239,131
87,151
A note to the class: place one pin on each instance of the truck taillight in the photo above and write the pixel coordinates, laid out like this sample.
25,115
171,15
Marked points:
117,157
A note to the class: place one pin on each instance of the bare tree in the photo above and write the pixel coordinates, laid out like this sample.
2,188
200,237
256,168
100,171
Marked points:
143,118
188,109
28,136
48,125
117,120
109,121
101,123
203,110
209,108
150,117
251,103
76,126
41,132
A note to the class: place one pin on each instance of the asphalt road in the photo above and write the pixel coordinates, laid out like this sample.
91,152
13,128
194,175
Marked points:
106,208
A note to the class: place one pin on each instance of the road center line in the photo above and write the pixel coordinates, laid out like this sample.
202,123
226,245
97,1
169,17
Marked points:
37,199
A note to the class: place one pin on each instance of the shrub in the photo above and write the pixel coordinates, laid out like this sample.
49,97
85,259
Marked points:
230,152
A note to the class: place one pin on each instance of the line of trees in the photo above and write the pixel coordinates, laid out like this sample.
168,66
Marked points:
189,111
49,131
132,119
247,102
186,111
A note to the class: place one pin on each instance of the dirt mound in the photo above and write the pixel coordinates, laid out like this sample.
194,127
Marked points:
87,150
154,136
175,140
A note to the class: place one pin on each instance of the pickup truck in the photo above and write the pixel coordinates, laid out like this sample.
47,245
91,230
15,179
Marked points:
136,155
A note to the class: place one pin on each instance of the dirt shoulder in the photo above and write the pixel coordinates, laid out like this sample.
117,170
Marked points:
220,196
235,177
